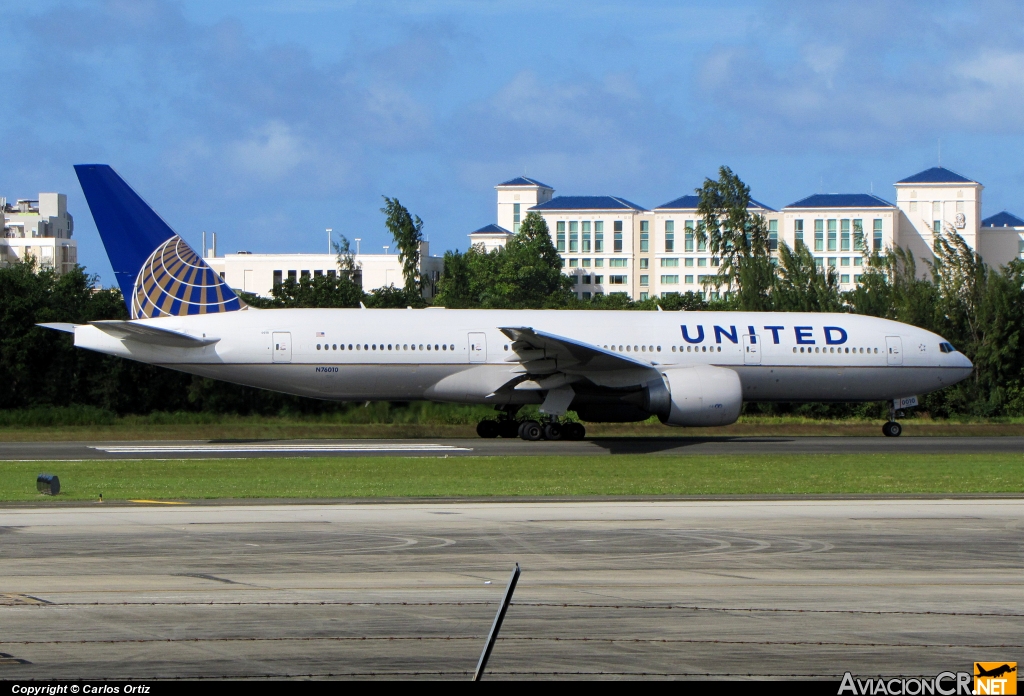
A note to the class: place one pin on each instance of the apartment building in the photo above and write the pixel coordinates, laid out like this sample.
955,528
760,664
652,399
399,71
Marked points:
40,229
609,244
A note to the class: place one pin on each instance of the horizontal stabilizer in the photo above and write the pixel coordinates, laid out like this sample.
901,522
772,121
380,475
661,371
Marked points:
59,326
144,333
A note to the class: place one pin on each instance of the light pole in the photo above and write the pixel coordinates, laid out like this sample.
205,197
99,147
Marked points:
329,230
358,239
386,250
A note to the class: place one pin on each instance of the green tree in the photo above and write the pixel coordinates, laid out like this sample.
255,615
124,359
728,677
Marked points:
407,231
525,274
739,237
800,286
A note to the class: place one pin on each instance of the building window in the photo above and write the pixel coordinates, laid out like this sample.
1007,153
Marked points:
702,262
689,279
277,278
292,276
819,235
598,279
617,280
645,263
515,217
688,262
844,278
798,234
844,235
645,235
670,236
575,279
936,226
586,263
645,295
560,236
670,280
845,261
598,236
317,274
856,279
618,263
832,262
586,236
688,237
858,235
574,263
857,261
773,235
586,280
670,263
644,280
617,230
876,235
831,235
598,263
586,296
332,274
574,237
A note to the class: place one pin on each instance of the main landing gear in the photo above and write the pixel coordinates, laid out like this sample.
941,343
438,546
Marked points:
531,429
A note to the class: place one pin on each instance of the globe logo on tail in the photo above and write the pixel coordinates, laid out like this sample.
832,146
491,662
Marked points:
175,281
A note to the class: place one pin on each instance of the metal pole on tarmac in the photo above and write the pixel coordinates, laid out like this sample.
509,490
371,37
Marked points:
496,626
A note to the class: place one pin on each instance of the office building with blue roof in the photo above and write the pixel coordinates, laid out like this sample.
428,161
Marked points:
610,244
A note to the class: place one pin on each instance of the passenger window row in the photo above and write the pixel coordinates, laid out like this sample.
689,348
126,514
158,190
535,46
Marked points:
635,349
381,346
697,349
833,349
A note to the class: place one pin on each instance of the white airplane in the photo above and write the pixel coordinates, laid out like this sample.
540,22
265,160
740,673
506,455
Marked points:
686,368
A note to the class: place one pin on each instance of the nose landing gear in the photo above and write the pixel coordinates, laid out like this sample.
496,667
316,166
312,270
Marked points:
892,428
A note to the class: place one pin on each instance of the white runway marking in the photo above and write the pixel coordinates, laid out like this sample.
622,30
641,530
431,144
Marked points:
244,448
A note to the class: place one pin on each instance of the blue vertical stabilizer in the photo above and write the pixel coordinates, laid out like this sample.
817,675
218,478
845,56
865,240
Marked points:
158,273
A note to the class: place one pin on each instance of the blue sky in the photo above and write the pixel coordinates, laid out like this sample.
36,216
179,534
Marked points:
268,121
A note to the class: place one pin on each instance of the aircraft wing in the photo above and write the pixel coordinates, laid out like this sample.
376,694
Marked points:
544,355
145,333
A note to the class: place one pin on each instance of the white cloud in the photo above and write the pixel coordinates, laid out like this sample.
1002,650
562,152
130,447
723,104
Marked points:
271,152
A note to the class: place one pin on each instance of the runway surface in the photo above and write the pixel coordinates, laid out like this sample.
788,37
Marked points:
205,449
684,589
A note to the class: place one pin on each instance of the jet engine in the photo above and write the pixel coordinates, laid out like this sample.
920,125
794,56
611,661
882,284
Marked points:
696,396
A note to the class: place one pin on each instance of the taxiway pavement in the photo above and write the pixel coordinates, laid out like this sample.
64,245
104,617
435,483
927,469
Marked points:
806,588
206,449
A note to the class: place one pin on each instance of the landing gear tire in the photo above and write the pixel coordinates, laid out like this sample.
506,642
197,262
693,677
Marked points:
892,429
487,428
553,431
573,431
531,430
508,428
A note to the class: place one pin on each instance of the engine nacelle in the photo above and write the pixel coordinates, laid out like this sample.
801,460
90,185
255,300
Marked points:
697,396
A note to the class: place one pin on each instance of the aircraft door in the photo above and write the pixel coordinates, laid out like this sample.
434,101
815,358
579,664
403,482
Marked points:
752,350
477,348
894,350
282,347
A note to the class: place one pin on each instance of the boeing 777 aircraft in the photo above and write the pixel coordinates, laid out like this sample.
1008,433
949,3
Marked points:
687,368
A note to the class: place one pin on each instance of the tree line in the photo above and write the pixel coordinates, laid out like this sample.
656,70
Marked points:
978,308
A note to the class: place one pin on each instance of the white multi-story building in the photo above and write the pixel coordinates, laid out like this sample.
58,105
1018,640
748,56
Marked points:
39,229
259,273
609,244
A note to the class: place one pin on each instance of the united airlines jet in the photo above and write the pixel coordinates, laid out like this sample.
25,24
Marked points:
686,368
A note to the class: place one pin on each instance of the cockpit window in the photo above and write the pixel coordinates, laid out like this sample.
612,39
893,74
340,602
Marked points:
947,348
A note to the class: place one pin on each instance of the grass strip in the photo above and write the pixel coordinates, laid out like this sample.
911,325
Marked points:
370,477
